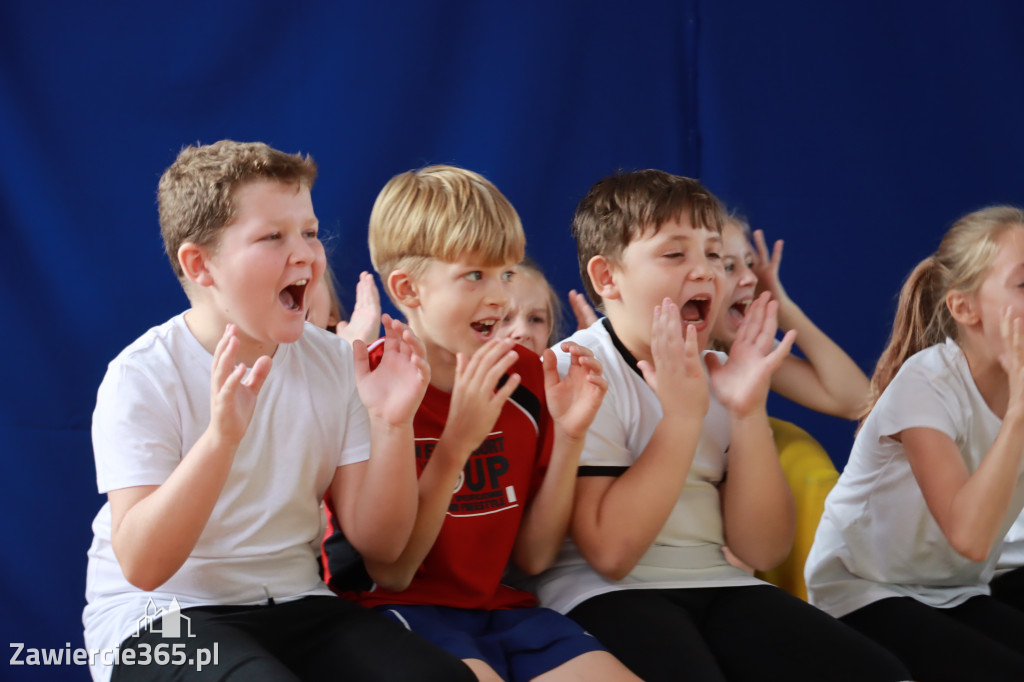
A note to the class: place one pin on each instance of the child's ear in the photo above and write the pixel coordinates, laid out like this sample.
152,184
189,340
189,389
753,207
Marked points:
962,307
599,269
403,288
194,261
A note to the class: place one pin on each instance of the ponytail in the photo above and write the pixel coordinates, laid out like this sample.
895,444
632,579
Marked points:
960,264
922,320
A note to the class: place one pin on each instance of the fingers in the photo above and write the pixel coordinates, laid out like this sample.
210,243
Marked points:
360,359
259,373
777,254
691,347
487,365
585,315
762,247
782,350
754,319
224,357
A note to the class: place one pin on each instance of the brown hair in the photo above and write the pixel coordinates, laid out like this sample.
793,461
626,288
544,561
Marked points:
444,213
619,209
196,193
960,263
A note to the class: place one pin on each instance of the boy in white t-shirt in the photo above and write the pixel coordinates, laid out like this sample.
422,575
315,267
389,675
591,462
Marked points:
680,460
216,436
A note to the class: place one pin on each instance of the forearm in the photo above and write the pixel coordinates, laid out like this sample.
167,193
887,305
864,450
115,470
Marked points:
153,534
546,520
980,508
436,485
757,504
382,509
614,529
832,382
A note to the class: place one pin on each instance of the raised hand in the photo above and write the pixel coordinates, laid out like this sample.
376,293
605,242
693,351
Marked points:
232,397
574,399
766,267
675,373
1011,328
476,399
585,315
392,392
364,322
742,383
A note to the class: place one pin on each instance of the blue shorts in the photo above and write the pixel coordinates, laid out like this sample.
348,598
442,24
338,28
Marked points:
520,644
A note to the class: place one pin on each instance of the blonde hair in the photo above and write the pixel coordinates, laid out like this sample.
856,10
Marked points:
961,262
442,213
619,209
530,268
196,193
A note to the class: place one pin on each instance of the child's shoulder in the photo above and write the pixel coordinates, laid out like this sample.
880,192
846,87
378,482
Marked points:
172,338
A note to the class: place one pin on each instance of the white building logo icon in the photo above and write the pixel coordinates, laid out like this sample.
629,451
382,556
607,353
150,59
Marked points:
166,622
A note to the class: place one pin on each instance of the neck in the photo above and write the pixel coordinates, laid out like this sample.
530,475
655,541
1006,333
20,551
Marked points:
209,330
633,342
988,374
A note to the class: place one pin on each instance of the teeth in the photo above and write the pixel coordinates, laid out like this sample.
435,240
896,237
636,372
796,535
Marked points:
301,283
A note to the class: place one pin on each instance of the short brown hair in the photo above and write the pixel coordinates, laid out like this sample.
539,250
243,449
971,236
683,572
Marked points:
442,212
619,209
196,193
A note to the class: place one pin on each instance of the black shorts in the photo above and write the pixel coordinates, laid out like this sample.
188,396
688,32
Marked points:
315,638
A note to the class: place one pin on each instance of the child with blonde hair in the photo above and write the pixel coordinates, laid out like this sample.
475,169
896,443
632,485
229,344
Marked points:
498,438
912,531
534,317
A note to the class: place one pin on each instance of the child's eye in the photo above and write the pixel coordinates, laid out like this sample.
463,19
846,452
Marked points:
729,267
273,237
311,234
507,276
675,254
474,276
538,319
714,255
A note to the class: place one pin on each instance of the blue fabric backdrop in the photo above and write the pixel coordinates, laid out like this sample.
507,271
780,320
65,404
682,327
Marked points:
858,133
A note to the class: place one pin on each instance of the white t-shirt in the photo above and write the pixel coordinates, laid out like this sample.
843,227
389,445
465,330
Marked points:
876,538
688,550
152,406
1013,548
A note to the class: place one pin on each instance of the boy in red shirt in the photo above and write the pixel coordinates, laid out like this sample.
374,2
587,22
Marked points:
498,437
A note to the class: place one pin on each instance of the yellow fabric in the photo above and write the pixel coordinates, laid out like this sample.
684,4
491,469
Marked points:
811,475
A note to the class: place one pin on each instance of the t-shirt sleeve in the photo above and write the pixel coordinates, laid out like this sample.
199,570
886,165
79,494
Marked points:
915,400
605,445
136,436
545,433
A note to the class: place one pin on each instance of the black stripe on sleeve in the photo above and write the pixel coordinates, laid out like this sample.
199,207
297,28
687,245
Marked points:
614,472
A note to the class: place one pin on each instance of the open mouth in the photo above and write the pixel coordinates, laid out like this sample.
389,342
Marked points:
485,328
695,311
738,310
293,295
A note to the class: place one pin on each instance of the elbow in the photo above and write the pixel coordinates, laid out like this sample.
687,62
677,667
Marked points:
612,565
532,565
143,572
971,549
143,578
393,583
390,578
769,561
